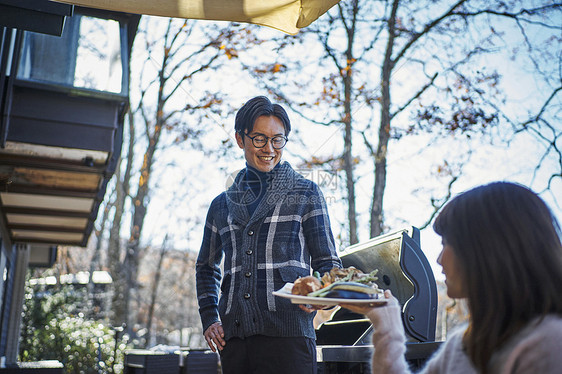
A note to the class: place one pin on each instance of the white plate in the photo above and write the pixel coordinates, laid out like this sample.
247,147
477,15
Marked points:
328,301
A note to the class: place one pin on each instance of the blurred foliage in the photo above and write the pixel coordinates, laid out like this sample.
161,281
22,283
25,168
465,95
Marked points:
54,327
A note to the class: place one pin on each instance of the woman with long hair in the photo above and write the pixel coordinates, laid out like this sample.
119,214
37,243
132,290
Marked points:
502,252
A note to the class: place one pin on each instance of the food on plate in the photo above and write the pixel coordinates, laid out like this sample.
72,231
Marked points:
347,283
350,274
347,290
305,285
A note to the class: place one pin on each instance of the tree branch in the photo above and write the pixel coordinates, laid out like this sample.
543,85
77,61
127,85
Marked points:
437,204
426,29
416,96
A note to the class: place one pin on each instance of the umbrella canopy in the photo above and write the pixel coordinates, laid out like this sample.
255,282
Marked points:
285,15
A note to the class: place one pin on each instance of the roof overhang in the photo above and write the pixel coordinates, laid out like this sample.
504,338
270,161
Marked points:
42,16
59,144
50,191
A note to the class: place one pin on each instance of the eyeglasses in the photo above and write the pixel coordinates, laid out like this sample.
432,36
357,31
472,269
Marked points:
260,141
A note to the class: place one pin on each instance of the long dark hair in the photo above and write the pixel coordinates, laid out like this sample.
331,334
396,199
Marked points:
507,241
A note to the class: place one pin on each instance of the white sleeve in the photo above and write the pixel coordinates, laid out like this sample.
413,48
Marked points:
388,339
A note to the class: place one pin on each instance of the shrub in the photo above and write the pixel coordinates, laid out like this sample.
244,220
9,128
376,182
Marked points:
55,328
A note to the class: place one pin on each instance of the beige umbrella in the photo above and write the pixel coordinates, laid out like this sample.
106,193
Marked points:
286,15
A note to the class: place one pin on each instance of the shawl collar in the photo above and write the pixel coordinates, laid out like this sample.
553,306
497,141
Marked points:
282,181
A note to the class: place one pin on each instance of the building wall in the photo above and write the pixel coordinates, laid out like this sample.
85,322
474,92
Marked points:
7,252
8,258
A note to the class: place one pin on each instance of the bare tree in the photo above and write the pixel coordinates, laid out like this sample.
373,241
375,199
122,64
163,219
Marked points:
168,301
115,254
154,290
421,66
95,262
171,55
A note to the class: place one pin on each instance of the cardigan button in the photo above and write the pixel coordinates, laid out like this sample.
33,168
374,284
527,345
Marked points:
247,295
237,323
250,233
248,274
249,252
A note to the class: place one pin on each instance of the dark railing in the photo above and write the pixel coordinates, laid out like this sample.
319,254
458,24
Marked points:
176,362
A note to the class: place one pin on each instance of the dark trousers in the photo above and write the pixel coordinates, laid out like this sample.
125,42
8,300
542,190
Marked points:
261,354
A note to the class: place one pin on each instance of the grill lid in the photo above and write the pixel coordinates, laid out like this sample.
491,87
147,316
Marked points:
404,269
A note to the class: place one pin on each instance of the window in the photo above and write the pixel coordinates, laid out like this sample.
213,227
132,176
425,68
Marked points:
87,55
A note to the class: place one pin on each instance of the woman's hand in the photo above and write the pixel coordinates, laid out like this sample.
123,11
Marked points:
214,336
366,308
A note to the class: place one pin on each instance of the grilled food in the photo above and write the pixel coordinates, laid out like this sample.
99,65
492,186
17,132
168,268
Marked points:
305,285
347,283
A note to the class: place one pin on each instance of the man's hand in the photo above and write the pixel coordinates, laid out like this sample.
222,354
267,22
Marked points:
312,308
214,336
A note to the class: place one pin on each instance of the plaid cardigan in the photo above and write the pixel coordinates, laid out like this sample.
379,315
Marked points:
287,237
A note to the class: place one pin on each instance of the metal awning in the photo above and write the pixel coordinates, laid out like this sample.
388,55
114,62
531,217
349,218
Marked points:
48,194
285,15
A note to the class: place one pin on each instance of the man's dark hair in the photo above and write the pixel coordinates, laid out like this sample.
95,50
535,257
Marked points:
256,107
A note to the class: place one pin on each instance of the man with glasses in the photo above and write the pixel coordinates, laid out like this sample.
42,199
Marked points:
269,228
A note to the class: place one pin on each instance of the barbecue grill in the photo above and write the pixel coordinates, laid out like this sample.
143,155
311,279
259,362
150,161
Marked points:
344,341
